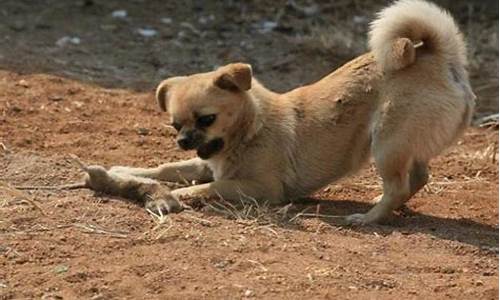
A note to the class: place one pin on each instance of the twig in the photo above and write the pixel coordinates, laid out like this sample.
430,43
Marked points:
5,149
258,264
336,217
200,220
94,229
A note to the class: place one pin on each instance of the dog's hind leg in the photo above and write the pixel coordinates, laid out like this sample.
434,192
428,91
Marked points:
419,175
400,180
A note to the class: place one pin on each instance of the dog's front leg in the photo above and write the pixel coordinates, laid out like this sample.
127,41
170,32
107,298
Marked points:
181,171
230,190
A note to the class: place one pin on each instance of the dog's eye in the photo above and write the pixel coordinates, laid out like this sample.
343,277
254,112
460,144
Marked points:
205,121
177,126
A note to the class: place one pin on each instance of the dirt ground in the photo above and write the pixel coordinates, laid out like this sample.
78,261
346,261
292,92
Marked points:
90,94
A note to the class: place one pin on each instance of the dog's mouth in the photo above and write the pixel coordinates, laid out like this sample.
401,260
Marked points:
207,150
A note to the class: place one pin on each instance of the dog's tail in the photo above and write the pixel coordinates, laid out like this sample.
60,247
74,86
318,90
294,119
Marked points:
409,29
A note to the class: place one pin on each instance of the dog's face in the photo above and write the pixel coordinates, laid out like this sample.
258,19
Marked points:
205,108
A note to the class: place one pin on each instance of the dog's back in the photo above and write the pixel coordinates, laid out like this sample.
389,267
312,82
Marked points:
406,100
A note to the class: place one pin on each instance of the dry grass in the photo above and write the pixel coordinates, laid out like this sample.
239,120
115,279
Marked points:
247,211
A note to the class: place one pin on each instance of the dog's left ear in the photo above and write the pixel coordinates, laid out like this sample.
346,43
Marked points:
162,91
234,77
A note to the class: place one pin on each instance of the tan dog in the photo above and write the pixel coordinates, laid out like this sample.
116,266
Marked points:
403,103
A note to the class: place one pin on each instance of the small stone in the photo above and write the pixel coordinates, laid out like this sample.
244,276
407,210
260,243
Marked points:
119,14
147,32
166,20
248,293
16,109
56,98
68,39
78,104
142,131
23,83
61,269
98,297
266,26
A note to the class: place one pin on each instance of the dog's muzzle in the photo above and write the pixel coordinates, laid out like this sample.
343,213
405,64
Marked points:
207,150
190,140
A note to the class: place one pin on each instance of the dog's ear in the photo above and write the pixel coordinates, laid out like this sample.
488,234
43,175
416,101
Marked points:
234,77
162,91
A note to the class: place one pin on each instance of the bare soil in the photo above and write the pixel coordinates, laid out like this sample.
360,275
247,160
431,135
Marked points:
94,99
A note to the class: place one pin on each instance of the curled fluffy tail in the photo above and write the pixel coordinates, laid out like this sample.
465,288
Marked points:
409,28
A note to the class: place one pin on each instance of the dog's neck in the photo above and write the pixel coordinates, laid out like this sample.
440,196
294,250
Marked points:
251,116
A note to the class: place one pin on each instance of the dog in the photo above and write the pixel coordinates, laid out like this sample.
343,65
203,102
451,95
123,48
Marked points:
402,104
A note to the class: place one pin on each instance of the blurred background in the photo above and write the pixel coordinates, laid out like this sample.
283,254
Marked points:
134,44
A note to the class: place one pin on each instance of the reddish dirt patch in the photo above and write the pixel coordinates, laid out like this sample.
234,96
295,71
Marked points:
76,244
79,245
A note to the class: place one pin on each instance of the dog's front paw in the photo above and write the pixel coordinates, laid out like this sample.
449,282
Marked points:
164,204
121,170
363,219
356,219
371,217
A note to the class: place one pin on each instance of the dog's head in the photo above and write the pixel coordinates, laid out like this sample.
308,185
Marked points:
207,109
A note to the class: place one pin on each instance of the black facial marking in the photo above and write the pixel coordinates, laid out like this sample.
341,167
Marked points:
210,148
205,121
190,139
177,126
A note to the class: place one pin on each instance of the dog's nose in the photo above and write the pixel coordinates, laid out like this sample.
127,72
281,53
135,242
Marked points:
185,143
189,139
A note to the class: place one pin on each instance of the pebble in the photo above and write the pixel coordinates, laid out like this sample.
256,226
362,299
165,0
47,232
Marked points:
56,98
23,83
119,14
68,39
166,20
142,131
147,32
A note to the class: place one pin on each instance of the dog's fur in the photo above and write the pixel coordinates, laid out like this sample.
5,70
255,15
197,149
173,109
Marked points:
403,103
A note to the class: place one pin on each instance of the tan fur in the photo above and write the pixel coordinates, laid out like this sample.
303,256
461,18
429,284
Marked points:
403,103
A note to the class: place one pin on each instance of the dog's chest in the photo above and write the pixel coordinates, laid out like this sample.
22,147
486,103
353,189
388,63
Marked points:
221,169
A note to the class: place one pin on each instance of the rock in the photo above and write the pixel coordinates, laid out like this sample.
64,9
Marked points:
56,98
266,26
68,39
147,32
61,269
167,21
78,104
142,131
23,83
15,109
248,293
119,14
